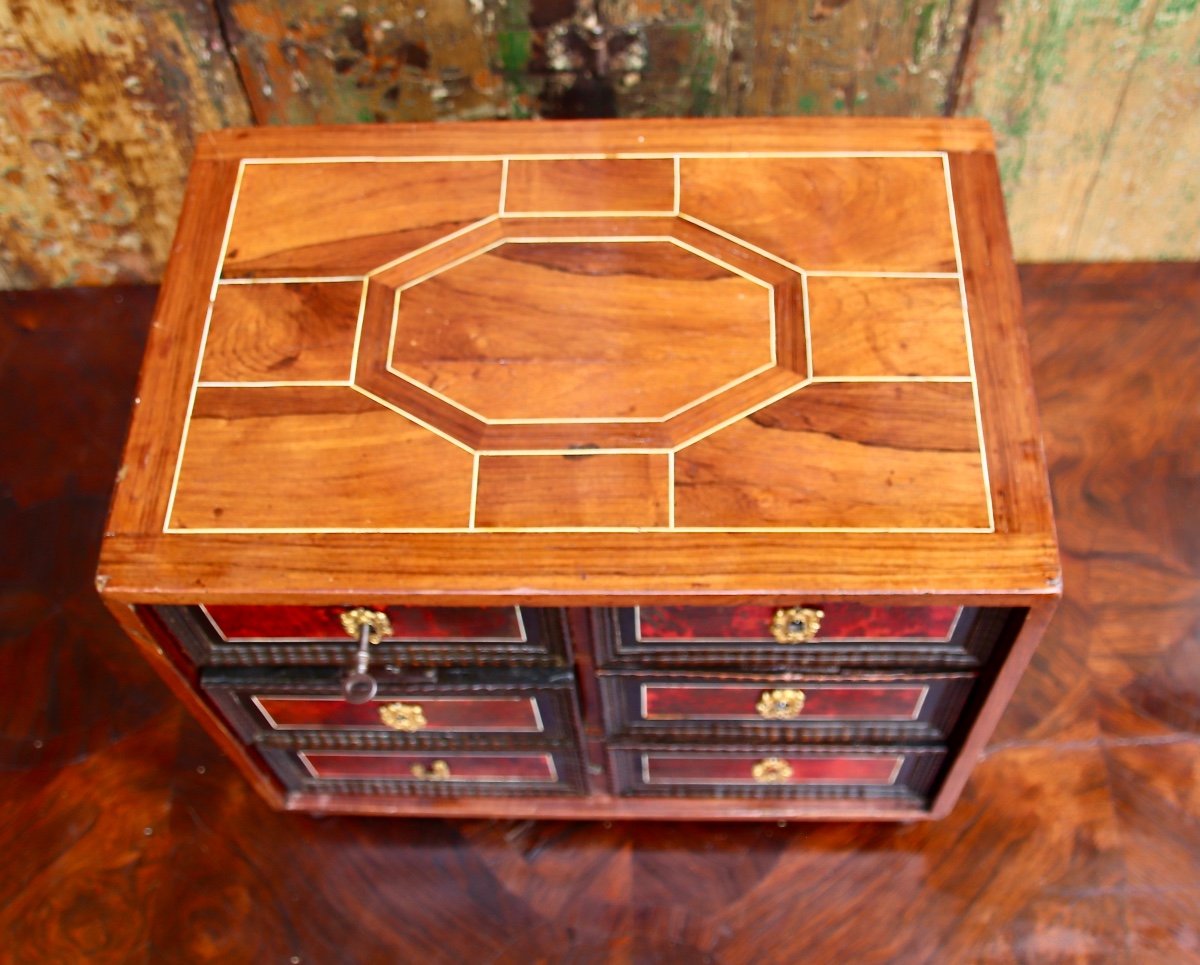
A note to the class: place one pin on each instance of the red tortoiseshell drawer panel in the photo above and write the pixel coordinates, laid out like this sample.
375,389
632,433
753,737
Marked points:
904,772
879,708
407,712
666,701
492,768
723,770
420,636
832,636
434,774
276,623
840,621
291,707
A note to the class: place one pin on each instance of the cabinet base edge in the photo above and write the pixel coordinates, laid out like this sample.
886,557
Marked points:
607,808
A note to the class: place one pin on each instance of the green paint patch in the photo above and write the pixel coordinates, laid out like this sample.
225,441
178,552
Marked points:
886,80
807,103
703,64
924,30
1028,86
1010,172
515,14
1180,7
1020,124
706,64
514,47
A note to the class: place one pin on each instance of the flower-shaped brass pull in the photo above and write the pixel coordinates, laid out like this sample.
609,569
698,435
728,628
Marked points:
771,770
405,717
796,624
437,771
780,704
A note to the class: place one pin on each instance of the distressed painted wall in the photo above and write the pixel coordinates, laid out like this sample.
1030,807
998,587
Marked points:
310,61
1097,107
99,104
1096,102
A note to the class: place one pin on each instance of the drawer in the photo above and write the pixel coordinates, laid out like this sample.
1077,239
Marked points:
417,636
772,772
457,773
306,708
785,707
820,635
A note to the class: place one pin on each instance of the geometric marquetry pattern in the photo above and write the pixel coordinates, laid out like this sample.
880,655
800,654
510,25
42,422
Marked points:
570,342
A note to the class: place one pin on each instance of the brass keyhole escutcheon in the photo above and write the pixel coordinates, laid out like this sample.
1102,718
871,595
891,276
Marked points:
771,770
780,704
378,623
796,624
405,717
437,771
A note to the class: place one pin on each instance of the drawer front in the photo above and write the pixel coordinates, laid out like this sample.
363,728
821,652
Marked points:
271,624
301,707
836,621
819,635
903,772
425,774
789,708
406,712
418,636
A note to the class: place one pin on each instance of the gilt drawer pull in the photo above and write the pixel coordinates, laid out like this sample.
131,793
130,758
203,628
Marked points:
772,770
437,771
780,704
405,717
796,624
354,620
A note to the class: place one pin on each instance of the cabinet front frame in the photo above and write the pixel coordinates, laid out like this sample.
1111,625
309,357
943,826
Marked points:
1024,627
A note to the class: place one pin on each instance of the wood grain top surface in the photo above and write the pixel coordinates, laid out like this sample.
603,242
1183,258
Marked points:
587,361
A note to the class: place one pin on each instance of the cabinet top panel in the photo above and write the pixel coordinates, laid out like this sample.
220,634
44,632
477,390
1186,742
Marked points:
586,361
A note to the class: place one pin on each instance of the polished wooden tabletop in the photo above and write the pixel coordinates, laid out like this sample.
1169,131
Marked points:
128,837
587,362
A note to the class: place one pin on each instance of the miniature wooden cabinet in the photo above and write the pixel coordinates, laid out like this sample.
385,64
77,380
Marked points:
665,469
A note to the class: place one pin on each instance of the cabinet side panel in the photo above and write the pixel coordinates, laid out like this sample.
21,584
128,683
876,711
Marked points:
164,655
995,689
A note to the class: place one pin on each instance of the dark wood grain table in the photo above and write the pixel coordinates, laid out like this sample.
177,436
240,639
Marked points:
128,837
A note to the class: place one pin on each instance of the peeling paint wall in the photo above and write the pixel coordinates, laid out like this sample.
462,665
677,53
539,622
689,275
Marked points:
1096,103
308,61
311,62
99,104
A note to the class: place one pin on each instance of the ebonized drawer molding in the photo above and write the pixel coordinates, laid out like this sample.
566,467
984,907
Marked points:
787,708
968,642
422,636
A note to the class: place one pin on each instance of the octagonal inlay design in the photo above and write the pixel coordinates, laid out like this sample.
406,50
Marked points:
569,332
605,328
